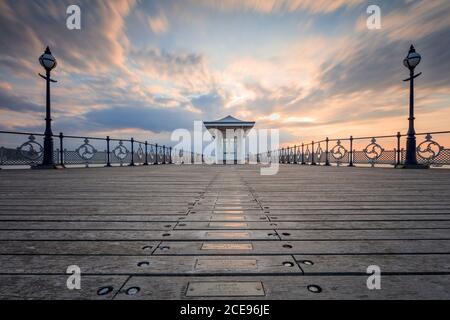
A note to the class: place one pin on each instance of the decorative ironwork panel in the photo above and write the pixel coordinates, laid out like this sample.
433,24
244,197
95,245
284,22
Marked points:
86,151
373,151
74,157
151,154
28,153
387,157
319,155
443,158
160,155
307,157
139,154
31,149
429,150
121,154
339,154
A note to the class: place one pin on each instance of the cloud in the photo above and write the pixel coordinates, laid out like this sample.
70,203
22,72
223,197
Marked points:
13,102
26,27
267,6
141,67
145,118
159,23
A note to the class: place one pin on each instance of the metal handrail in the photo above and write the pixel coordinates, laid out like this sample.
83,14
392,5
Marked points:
428,151
160,153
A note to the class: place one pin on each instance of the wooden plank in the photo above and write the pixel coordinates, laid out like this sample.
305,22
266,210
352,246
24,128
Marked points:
108,235
316,225
397,264
53,287
131,218
296,288
358,217
148,265
90,225
309,247
65,247
406,234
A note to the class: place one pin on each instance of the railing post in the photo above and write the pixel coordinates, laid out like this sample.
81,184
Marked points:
108,163
146,154
303,153
156,154
313,162
170,155
132,153
295,154
350,164
399,161
61,150
164,155
288,155
327,162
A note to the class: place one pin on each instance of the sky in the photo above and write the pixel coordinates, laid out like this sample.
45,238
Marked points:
142,69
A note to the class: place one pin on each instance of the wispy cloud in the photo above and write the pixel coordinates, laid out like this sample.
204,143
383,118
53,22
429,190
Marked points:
311,68
268,6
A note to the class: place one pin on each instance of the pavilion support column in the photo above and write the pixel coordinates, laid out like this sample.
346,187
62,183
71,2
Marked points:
218,142
240,134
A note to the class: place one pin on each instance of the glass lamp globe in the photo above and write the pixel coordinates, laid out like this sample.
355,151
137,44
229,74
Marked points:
412,59
47,60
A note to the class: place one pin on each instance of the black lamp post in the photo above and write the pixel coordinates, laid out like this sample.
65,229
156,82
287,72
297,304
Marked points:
410,62
48,62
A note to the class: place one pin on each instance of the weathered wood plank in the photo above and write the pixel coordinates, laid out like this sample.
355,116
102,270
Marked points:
149,265
65,247
310,247
53,287
108,235
295,288
348,264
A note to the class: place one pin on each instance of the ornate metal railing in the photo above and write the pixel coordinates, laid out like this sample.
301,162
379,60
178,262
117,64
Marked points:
26,149
376,150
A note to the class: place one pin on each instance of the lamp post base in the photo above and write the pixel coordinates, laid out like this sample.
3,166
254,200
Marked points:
413,166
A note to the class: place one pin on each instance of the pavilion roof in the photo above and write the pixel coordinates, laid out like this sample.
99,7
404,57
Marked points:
229,121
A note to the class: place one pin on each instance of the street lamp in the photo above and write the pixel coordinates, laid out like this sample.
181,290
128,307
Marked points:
48,62
411,61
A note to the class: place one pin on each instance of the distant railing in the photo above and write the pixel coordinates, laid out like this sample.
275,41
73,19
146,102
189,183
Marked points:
376,150
89,151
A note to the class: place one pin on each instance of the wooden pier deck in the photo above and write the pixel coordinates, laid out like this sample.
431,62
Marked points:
213,232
